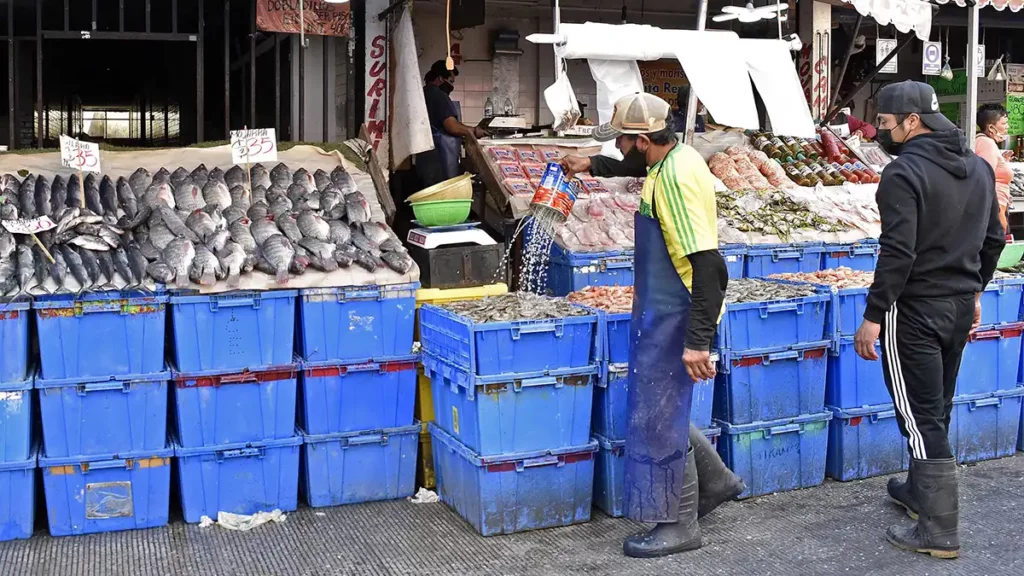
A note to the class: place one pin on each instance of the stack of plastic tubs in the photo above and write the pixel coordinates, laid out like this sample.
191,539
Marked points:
17,452
512,445
735,256
860,255
103,401
763,260
770,390
572,271
235,384
357,394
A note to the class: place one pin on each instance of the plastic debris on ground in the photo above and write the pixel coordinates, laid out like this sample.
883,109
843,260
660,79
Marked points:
243,522
514,306
756,290
841,277
424,496
607,298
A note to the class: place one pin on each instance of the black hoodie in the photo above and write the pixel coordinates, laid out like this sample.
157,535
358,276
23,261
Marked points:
941,234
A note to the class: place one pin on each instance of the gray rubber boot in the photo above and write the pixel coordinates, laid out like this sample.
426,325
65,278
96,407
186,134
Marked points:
901,494
672,537
717,484
936,531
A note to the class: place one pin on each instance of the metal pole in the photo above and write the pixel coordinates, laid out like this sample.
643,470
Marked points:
39,73
277,85
327,73
907,39
973,18
252,66
302,23
846,58
11,139
691,102
227,68
302,91
557,20
200,71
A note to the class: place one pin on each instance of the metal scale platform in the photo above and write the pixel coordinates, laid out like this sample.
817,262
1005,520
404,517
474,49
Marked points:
460,256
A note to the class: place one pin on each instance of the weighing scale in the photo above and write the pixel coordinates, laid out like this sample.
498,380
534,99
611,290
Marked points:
459,256
504,125
432,237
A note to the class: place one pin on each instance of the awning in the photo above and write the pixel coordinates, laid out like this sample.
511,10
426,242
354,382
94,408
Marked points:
1013,5
905,15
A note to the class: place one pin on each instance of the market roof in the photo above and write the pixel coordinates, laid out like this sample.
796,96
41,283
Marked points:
1013,5
905,15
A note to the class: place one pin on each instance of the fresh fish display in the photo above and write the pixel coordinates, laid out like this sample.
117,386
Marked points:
343,181
514,306
400,262
279,253
42,197
179,255
232,259
126,197
841,277
615,299
357,208
758,290
205,267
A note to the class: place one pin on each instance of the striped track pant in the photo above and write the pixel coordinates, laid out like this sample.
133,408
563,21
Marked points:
922,342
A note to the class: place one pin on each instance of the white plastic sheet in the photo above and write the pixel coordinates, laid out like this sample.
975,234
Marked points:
771,68
614,79
612,42
410,130
716,67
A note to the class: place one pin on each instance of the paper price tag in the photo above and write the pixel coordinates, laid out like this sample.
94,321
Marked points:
251,146
78,155
29,225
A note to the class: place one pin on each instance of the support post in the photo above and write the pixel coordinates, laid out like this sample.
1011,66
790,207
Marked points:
39,74
200,68
973,18
227,69
691,102
327,74
11,136
277,85
252,65
846,59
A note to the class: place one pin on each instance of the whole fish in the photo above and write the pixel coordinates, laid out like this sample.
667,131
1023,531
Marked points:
42,197
218,175
140,181
261,231
242,235
90,180
321,179
161,272
259,179
58,195
150,251
90,242
8,276
129,203
217,240
259,194
280,206
179,255
137,262
67,220
305,179
9,183
300,262
42,266
289,227
158,193
367,261
176,225
76,198
346,254
76,267
275,192
375,232
108,196
216,192
162,176
365,244
161,236
7,244
178,175
92,198
235,176
314,226
340,233
297,193
26,268
188,196
107,267
200,172
343,180
205,267
232,214
279,253
321,254
27,197
330,198
357,208
400,262
92,267
311,201
281,171
240,197
392,245
201,223
257,211
232,259
59,270
8,210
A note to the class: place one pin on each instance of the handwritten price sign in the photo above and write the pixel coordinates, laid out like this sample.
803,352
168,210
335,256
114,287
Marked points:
251,146
1015,113
29,225
78,155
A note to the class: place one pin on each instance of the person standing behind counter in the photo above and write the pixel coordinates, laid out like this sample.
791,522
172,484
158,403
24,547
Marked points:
442,162
995,129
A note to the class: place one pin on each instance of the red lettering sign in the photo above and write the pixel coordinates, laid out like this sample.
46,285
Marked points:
376,116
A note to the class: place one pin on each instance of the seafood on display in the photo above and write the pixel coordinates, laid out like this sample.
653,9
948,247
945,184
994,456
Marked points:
841,277
514,306
757,290
178,227
613,299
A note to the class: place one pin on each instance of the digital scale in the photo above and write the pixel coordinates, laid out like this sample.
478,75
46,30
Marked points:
498,125
459,256
432,237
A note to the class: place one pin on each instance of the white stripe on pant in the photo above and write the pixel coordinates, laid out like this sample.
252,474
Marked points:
899,387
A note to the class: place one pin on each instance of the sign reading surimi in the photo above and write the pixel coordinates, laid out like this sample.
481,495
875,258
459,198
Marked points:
322,18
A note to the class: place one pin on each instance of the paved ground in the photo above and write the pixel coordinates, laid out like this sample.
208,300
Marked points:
831,530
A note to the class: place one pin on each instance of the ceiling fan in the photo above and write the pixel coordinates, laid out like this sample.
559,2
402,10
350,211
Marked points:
748,13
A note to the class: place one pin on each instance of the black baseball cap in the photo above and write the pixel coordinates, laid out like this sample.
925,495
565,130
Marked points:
910,97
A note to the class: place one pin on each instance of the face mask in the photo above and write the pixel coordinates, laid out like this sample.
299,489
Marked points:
884,139
447,88
1000,138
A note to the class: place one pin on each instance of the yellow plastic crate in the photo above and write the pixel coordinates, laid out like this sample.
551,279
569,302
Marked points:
426,467
439,296
424,399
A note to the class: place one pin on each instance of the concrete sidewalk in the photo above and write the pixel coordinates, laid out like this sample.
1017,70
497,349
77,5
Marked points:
831,530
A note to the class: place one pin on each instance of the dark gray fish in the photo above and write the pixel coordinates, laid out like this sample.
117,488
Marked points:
279,253
179,255
242,235
92,198
346,254
137,263
257,211
290,228
299,263
279,171
314,226
8,276
216,241
240,197
400,262
296,193
139,181
188,196
178,175
76,267
340,232
161,272
159,193
305,179
216,192
330,198
321,179
59,270
108,196
392,245
92,267
262,230
232,214
280,206
259,194
42,197
9,210
162,176
260,177
356,207
67,221
76,198
365,244
7,244
200,172
232,259
129,203
10,183
90,242
27,197
367,261
218,175
343,180
320,254
58,195
201,223
376,232
107,267
205,267
42,266
160,235
235,176
275,192
311,201
151,252
90,180
177,226
26,268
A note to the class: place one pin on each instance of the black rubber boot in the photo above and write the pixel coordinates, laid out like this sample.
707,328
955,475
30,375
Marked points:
935,490
902,495
672,537
716,483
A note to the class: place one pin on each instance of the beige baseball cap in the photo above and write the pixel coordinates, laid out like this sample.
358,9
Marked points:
638,113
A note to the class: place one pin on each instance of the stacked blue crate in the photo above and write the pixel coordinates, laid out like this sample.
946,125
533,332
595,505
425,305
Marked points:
763,260
512,443
770,390
234,387
17,454
104,456
357,393
860,255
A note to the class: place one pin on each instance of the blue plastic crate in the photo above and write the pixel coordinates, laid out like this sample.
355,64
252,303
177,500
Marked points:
514,492
359,466
777,456
572,271
1020,433
111,415
14,341
215,408
512,413
764,260
1001,301
609,414
107,492
865,442
610,471
508,347
760,325
358,323
772,384
17,498
985,426
16,421
616,337
104,334
853,382
860,255
991,360
846,311
734,256
351,397
235,331
243,478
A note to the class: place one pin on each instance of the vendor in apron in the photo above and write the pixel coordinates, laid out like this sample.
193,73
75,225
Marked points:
442,162
679,293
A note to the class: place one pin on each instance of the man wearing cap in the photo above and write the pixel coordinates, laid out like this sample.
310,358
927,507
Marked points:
941,239
442,162
680,281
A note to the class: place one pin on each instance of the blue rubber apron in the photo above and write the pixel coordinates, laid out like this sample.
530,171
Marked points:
660,390
449,148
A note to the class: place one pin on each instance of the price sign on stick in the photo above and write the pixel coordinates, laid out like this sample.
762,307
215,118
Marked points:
251,146
78,155
29,225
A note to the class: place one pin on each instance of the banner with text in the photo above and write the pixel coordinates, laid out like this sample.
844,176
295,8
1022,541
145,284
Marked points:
321,18
663,78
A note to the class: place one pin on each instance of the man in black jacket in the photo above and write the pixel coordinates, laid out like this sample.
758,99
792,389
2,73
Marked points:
941,239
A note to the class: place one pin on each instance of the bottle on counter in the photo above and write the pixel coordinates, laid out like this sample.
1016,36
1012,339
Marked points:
809,175
872,176
796,176
836,176
820,173
845,173
509,110
764,144
809,150
488,108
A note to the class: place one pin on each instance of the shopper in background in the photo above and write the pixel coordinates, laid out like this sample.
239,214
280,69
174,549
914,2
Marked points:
679,112
442,162
941,239
993,130
857,126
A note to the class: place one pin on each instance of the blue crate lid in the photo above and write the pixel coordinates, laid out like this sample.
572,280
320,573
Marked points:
113,459
371,292
862,241
248,296
1000,328
268,373
509,457
28,464
467,380
361,437
728,355
16,305
862,411
769,249
25,384
993,397
357,365
98,302
113,381
997,282
733,429
514,324
241,446
822,296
